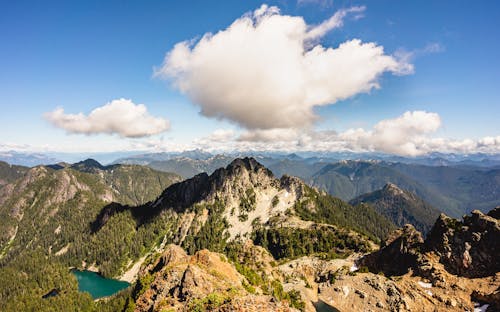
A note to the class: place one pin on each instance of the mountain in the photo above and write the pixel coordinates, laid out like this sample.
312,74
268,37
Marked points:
454,184
242,200
349,179
467,248
230,240
401,207
470,187
298,168
87,215
10,173
64,201
44,215
209,282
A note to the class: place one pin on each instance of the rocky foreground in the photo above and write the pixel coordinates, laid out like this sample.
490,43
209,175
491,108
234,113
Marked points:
455,269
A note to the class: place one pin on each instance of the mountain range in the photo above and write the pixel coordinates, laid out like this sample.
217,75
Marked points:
453,189
235,238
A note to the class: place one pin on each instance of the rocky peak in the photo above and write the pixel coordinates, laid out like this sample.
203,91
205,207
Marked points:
468,248
237,177
247,163
393,189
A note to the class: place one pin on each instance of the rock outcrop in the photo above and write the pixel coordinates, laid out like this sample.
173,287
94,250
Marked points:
400,253
203,281
469,248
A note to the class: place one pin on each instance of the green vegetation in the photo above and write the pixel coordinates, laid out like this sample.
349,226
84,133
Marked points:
247,204
211,235
26,280
10,173
322,208
290,243
208,303
275,201
52,220
401,207
454,190
63,217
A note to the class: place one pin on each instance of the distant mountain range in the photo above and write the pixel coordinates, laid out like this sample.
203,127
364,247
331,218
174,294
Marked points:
453,183
455,188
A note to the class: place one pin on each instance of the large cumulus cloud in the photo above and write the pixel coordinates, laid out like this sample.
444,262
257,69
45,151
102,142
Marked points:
267,70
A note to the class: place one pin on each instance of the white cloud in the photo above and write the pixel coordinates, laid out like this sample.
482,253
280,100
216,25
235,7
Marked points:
405,56
407,135
320,3
120,116
264,71
336,21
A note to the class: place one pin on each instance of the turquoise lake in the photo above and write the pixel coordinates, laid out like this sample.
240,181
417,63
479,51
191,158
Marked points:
97,285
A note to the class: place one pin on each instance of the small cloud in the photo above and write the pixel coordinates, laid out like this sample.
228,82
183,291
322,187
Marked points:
336,21
121,117
434,47
407,57
320,3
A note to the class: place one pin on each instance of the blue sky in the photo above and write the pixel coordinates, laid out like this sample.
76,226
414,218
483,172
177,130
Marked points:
81,55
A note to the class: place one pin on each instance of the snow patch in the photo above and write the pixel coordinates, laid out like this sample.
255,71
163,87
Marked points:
353,268
480,308
345,290
425,285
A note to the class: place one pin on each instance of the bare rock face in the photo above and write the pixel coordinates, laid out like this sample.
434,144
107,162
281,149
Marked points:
400,253
470,248
205,280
